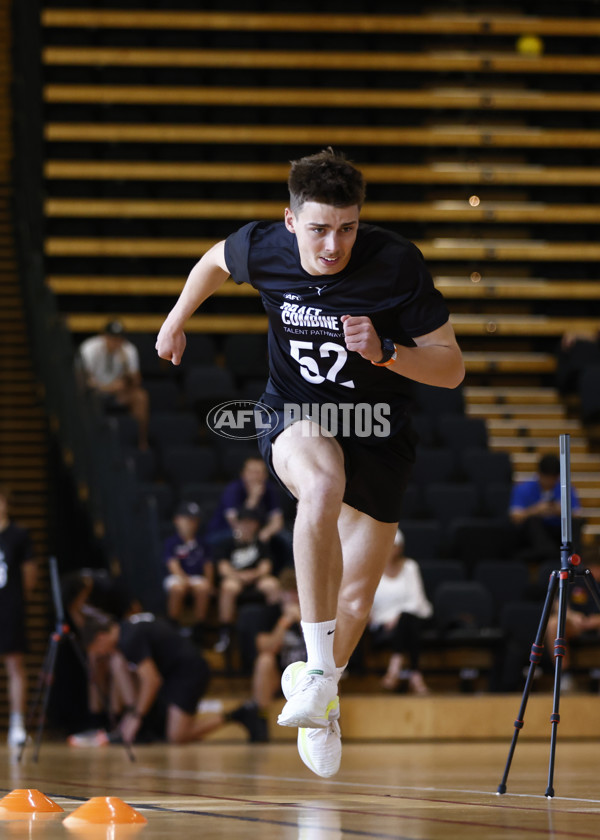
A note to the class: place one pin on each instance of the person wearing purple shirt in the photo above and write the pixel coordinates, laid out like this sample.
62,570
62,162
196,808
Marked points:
535,511
189,567
251,491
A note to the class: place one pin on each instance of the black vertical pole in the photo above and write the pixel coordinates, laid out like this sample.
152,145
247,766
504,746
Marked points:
566,575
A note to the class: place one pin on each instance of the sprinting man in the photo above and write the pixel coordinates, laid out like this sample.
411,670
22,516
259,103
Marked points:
354,319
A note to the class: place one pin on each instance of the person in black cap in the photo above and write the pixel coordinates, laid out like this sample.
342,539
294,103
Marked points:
112,368
245,568
189,567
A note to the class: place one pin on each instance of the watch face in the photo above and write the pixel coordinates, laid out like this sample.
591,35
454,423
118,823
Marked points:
388,349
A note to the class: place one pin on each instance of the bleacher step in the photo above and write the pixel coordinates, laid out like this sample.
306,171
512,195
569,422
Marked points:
537,445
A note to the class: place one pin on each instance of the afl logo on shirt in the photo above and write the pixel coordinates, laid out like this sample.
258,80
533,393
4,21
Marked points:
241,419
292,296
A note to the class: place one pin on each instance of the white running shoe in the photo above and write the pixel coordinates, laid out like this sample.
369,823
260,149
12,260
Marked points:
312,700
16,735
321,749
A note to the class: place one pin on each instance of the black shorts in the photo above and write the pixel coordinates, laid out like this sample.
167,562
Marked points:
12,631
186,684
377,469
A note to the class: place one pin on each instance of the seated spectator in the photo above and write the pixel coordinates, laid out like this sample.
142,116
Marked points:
111,366
535,511
582,619
576,352
189,567
277,645
397,615
18,575
244,566
253,490
171,675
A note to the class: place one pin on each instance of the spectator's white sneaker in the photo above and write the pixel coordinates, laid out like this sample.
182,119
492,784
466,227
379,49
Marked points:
312,700
321,749
16,735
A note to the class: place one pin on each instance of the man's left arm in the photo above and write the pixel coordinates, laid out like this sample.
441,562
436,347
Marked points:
436,359
149,683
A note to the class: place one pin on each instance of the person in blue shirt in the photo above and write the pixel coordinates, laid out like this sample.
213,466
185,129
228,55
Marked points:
188,566
535,511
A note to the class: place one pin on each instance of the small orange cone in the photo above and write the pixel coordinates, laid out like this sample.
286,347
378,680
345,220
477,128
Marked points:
27,802
108,831
102,810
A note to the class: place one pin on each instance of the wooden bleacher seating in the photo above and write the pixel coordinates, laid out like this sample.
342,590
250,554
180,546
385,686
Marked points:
429,62
379,212
484,157
448,249
491,136
464,325
452,287
436,173
452,98
446,24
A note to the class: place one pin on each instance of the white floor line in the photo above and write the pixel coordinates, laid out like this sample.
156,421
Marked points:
200,775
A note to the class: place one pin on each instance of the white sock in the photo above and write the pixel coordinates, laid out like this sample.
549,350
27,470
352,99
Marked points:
16,719
318,637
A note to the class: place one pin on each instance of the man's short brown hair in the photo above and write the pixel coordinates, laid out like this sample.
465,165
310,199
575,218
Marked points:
327,178
96,622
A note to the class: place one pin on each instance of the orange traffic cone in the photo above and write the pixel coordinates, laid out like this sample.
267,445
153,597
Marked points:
102,810
27,802
109,831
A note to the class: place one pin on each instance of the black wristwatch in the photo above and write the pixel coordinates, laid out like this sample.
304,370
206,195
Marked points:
389,352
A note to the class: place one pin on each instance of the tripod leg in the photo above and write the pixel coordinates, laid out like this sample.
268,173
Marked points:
35,704
534,658
592,586
559,652
48,680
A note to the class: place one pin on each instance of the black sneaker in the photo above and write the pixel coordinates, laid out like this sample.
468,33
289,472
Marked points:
249,716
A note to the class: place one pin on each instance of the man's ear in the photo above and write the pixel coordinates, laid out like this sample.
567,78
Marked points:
289,220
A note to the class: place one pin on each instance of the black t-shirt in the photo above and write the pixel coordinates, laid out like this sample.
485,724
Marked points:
385,279
293,648
143,636
243,555
15,549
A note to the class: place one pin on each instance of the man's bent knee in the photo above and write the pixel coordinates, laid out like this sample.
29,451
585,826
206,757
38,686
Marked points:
356,606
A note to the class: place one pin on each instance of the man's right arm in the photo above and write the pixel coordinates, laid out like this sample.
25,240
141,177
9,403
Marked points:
205,277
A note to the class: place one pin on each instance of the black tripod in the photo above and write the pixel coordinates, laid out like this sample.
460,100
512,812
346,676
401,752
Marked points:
62,631
560,578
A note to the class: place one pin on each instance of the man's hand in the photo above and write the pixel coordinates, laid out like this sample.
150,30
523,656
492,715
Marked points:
170,344
361,337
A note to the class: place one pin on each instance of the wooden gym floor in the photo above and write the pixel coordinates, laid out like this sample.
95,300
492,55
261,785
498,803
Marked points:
388,791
